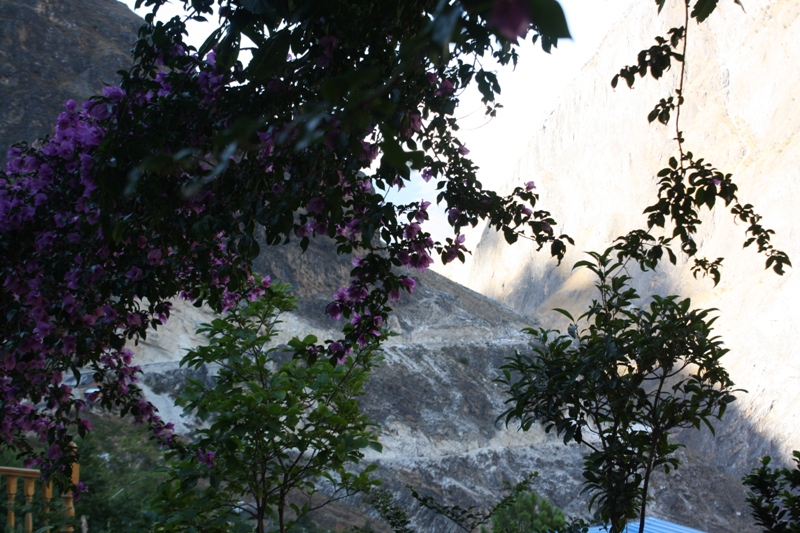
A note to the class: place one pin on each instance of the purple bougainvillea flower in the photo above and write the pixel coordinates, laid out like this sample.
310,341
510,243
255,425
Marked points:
415,121
421,261
80,489
453,214
334,310
206,458
336,347
357,293
445,88
412,230
338,350
328,44
154,257
113,93
511,18
316,205
98,110
54,452
408,283
369,151
135,273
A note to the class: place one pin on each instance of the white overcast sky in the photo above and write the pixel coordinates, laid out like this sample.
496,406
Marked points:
528,93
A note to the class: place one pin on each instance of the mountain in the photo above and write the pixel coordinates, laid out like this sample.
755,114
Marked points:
435,401
54,50
594,160
433,395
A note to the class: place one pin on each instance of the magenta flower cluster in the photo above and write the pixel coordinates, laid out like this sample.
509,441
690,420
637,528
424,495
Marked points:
84,270
73,291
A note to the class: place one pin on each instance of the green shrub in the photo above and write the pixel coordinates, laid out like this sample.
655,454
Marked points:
775,496
120,468
529,513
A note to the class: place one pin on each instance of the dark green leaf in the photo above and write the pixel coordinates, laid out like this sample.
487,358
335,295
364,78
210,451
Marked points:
548,17
703,8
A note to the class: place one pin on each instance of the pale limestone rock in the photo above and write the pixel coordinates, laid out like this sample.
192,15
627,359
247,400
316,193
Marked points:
170,343
594,161
435,400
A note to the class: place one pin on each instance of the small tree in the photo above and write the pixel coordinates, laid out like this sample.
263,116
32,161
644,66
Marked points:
273,428
529,513
620,386
775,496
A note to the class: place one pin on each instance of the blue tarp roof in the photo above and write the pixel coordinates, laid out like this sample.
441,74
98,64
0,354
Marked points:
651,525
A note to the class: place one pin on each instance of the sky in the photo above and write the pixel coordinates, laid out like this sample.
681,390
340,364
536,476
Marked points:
529,93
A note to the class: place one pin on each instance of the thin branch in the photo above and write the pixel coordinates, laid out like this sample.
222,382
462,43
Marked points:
678,134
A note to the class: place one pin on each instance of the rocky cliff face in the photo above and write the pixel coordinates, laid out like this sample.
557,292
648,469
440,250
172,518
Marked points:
594,160
433,395
436,403
54,50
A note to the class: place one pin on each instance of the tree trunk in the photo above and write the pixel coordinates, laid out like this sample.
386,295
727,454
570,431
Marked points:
260,520
281,518
644,502
647,473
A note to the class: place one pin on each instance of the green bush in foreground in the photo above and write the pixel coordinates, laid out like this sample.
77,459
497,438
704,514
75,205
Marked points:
279,420
530,513
120,469
775,496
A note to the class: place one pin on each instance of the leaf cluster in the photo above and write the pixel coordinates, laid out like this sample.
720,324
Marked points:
123,471
528,513
655,60
774,499
687,184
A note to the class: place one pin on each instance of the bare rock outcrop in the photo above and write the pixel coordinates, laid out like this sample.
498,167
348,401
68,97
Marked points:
436,402
52,51
594,161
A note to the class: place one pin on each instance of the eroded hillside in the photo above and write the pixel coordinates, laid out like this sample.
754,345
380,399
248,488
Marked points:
594,161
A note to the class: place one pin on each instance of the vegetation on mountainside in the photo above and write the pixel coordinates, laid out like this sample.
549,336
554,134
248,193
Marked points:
528,513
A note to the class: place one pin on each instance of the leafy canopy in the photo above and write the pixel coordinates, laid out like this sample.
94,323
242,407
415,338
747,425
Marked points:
275,421
774,499
169,184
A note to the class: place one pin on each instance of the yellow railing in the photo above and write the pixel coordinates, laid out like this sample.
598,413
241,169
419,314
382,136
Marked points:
30,478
